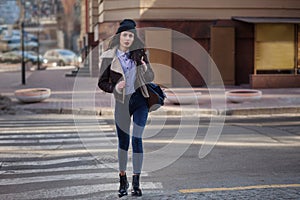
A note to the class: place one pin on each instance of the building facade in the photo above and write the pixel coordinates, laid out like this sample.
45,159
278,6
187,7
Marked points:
9,12
252,42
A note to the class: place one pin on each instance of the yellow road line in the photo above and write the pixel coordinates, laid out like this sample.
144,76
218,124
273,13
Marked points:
238,188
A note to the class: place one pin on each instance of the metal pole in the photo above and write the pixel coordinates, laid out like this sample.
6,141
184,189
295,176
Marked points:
38,50
23,61
38,38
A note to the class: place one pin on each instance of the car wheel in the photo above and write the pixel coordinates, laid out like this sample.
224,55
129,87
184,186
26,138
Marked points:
61,63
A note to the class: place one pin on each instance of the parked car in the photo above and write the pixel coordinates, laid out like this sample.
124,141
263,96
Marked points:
17,34
3,27
14,43
30,58
60,57
10,57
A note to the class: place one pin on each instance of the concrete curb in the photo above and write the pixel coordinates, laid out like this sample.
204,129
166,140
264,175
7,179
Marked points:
262,111
175,112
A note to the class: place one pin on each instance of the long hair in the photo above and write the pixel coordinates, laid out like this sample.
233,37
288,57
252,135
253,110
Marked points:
137,49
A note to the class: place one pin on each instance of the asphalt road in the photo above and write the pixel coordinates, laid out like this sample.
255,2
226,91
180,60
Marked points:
248,152
61,157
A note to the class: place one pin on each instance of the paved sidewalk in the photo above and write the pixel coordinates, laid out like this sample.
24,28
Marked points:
81,95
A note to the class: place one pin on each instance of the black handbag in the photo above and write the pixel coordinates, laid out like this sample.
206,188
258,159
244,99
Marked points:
156,96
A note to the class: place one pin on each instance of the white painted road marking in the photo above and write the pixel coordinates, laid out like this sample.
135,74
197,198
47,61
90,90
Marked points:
30,157
74,191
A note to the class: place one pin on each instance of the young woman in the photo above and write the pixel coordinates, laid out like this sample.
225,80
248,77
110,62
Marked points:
124,70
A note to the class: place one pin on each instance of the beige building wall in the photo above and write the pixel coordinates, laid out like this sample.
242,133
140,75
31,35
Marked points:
113,10
93,14
89,16
195,18
161,61
83,20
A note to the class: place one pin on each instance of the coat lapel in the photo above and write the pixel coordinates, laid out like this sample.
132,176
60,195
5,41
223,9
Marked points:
115,64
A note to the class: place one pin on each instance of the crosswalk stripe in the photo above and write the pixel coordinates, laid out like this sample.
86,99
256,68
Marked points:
37,122
60,122
58,147
48,162
43,126
52,126
40,141
38,152
16,155
62,177
74,191
55,151
9,131
55,135
43,123
63,169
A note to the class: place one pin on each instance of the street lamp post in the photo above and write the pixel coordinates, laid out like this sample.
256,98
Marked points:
38,36
23,45
38,50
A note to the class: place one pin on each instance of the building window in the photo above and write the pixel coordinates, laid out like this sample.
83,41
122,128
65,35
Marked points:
275,48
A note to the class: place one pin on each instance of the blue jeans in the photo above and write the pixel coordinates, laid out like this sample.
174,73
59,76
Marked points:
135,106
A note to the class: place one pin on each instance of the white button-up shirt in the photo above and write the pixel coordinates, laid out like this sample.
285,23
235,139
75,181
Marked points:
129,69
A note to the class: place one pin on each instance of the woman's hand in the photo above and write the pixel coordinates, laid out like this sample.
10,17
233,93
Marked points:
144,63
120,86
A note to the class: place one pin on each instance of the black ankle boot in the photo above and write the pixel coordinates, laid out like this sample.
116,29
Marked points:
123,186
136,191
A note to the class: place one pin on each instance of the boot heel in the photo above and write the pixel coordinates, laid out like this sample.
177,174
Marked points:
124,185
136,190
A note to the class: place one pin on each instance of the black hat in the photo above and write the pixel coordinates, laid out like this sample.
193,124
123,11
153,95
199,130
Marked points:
126,25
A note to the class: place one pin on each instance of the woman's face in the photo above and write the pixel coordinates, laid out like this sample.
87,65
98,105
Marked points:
126,40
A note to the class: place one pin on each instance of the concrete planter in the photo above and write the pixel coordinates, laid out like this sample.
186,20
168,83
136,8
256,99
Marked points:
32,95
183,96
244,95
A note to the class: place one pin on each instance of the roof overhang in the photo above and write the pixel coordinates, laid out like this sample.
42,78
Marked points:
260,20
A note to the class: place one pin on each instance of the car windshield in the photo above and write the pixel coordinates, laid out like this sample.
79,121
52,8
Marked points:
66,53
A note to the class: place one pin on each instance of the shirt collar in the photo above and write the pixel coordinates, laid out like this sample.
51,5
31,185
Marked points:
122,53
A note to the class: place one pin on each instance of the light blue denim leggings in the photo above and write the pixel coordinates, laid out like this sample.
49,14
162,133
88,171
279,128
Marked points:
135,106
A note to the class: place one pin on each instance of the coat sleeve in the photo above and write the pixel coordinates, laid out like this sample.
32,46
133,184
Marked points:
104,82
